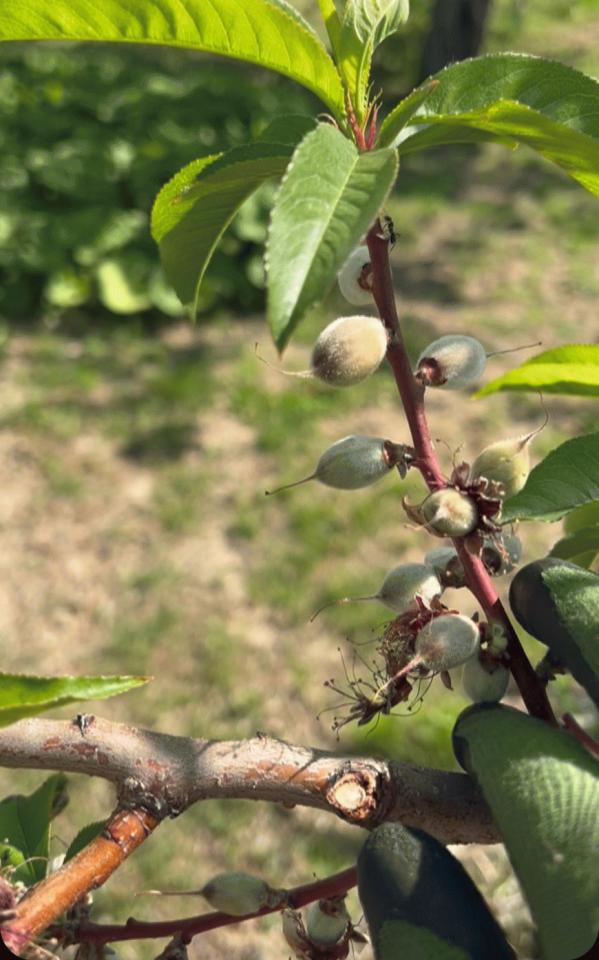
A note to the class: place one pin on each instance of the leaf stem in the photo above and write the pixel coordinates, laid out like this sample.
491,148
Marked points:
412,396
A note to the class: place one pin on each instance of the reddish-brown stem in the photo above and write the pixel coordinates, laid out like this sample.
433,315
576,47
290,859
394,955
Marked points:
411,392
412,396
124,832
189,927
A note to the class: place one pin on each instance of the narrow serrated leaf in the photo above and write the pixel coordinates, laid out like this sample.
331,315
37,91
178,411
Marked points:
558,603
402,873
583,517
329,197
516,99
270,33
567,478
394,123
581,547
83,838
543,791
25,696
365,24
569,369
192,210
374,20
25,825
574,152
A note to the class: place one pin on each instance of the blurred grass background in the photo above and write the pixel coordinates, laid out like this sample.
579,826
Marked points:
136,448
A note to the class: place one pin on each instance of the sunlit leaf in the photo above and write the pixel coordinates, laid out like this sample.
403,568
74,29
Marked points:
569,369
517,99
25,825
567,478
192,210
329,197
26,696
269,33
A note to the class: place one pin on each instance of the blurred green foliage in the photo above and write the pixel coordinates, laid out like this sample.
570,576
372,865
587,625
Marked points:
89,135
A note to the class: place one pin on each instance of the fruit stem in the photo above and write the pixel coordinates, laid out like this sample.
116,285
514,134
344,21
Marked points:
412,393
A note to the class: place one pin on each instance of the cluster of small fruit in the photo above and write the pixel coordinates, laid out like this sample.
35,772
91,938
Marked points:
432,639
324,931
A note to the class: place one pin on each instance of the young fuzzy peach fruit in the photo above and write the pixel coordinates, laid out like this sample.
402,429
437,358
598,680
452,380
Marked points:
400,588
446,642
355,277
506,461
327,922
235,893
349,350
450,513
453,362
354,462
484,681
238,893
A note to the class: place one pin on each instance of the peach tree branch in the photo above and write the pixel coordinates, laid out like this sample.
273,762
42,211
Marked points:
123,833
159,775
412,393
167,774
187,927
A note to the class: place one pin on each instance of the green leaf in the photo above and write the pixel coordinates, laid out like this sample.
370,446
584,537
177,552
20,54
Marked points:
83,838
583,517
581,547
558,603
398,940
565,479
192,210
569,369
394,123
25,696
290,128
270,33
25,824
519,99
543,791
10,857
330,16
574,152
402,872
328,199
374,20
365,24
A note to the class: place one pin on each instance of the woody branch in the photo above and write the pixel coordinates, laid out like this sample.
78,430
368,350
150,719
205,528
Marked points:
158,775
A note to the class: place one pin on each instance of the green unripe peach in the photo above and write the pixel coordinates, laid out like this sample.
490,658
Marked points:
450,513
400,588
355,277
453,362
484,682
349,350
238,893
354,462
446,642
326,922
507,462
402,584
